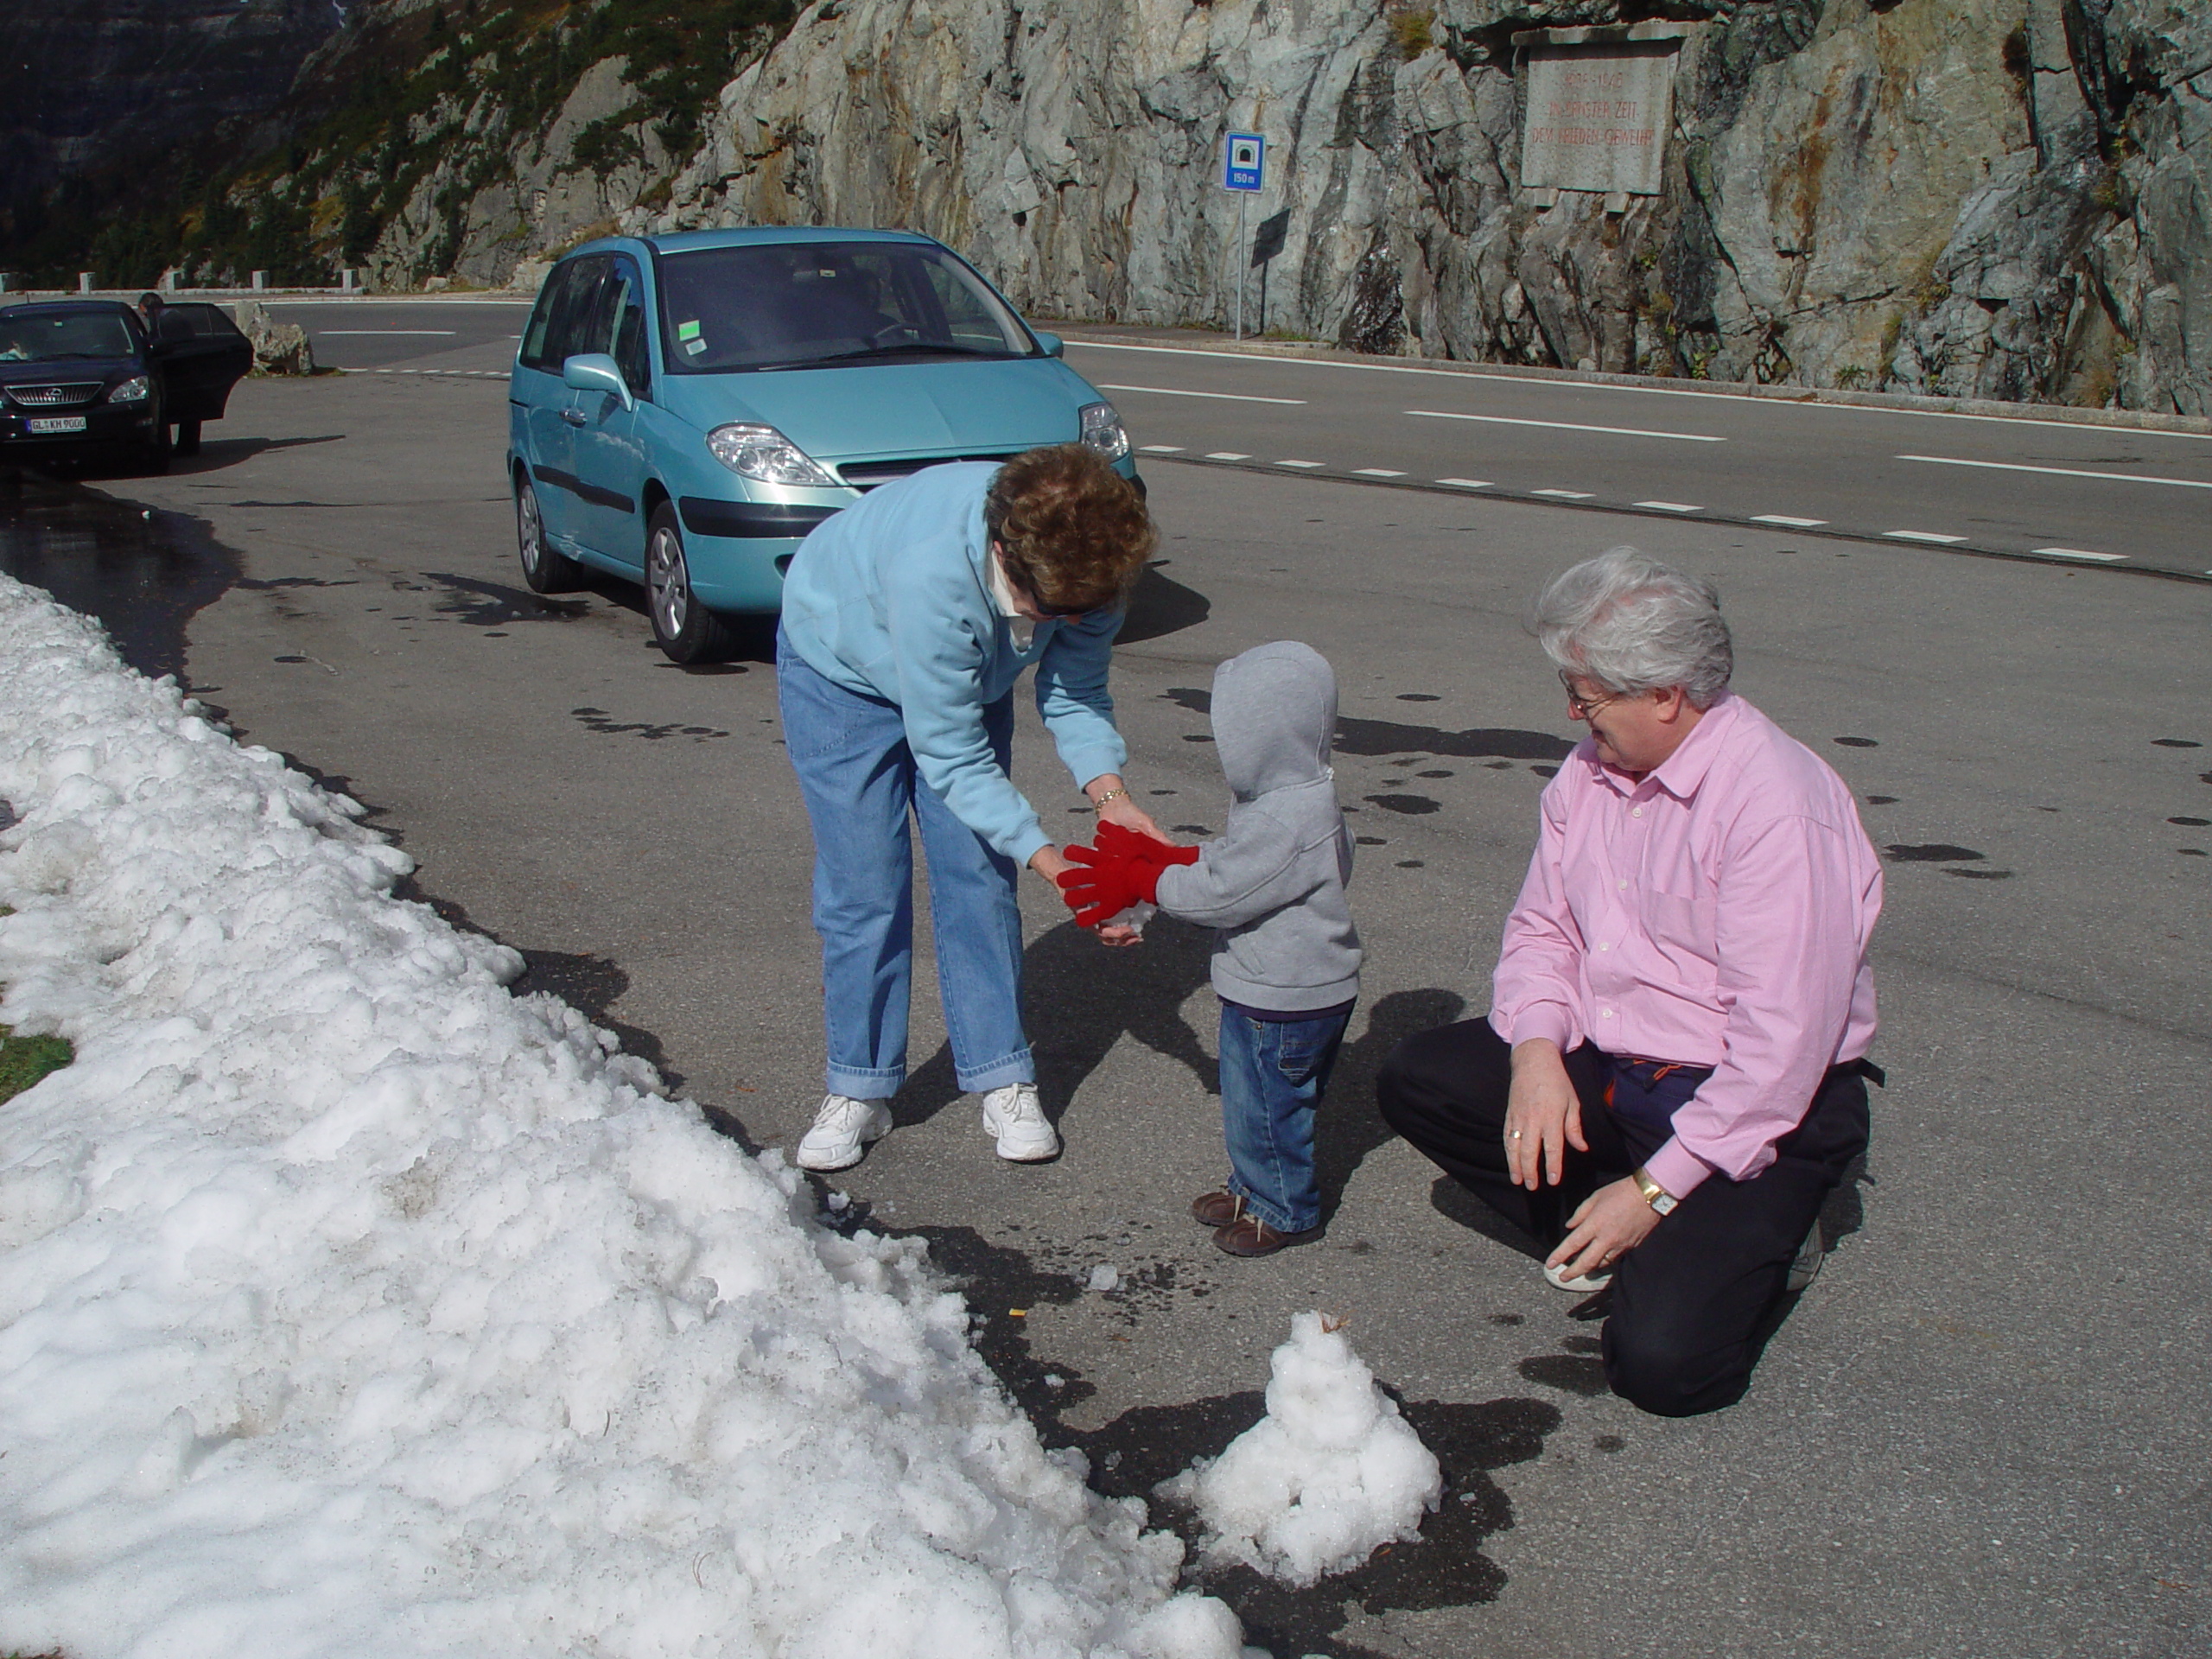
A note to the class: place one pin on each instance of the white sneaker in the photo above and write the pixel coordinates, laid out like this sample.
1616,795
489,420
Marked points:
1806,1267
843,1129
1017,1117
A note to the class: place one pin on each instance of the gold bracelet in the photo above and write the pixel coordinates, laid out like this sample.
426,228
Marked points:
1099,805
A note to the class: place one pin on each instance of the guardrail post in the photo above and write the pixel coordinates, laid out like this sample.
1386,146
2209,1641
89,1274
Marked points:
345,280
260,281
84,282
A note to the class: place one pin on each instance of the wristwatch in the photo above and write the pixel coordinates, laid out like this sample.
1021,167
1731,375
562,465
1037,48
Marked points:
1660,1200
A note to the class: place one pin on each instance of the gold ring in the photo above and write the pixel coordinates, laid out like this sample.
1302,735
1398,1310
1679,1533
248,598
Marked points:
1516,1134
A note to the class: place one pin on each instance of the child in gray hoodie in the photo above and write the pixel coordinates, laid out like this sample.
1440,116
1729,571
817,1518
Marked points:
1286,958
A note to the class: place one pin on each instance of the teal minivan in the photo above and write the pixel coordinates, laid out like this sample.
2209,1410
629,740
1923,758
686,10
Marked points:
684,409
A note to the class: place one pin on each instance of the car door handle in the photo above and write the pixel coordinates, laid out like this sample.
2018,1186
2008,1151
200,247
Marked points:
576,418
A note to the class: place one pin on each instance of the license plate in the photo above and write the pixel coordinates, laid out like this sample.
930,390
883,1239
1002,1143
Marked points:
44,425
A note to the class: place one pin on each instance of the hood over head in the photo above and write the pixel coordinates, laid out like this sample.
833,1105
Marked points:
1275,711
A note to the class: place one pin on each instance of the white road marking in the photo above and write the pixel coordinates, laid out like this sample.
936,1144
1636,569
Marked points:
1178,391
2078,553
1376,472
1669,506
1567,495
1467,483
1589,385
386,333
1786,521
1567,426
1923,536
1162,448
1301,463
2063,471
1227,454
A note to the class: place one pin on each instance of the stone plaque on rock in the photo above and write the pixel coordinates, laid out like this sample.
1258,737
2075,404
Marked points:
1598,116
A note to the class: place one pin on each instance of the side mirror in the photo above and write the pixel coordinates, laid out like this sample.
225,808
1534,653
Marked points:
1053,345
597,371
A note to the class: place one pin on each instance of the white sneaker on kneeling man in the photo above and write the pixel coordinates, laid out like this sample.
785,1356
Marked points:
843,1129
1016,1116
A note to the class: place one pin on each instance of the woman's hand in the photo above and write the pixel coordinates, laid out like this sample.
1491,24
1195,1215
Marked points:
1119,808
1048,862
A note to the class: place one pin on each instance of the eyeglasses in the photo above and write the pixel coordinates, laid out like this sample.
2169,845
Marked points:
1579,707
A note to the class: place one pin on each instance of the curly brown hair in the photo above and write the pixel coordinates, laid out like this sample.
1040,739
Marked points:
1074,533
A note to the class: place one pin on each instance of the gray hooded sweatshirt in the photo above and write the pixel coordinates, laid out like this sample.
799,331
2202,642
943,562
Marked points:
1273,883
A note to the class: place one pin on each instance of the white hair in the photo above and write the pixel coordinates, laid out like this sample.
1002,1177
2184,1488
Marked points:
1630,624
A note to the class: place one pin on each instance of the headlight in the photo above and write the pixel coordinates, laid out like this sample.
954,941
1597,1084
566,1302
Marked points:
763,453
133,391
1102,430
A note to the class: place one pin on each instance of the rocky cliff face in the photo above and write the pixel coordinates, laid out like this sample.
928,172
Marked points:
86,85
1995,198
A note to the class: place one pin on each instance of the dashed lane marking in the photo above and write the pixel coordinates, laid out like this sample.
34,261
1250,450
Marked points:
1567,495
1179,391
1160,449
1924,536
1669,506
1567,426
447,374
1227,454
379,334
2063,471
1301,463
1376,471
2082,553
1466,483
1544,384
1786,521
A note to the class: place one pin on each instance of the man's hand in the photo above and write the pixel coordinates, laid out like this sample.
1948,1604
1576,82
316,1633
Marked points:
1543,1115
1608,1224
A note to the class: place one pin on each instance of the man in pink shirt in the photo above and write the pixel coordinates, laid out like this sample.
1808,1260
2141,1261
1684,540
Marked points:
1672,1077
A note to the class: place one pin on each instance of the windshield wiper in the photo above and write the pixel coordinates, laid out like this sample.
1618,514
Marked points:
934,348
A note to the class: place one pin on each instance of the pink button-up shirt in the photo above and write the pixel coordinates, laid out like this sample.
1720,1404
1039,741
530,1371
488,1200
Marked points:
1715,913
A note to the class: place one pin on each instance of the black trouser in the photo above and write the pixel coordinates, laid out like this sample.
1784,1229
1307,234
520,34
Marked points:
1690,1305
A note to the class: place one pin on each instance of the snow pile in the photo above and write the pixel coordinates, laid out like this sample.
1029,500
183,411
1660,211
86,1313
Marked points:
1329,1473
350,1304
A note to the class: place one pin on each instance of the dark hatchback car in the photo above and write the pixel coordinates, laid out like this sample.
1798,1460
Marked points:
79,379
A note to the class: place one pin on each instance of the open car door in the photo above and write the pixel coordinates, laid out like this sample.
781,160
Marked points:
202,356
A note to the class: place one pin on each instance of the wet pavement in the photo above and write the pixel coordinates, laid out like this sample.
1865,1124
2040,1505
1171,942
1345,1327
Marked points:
141,571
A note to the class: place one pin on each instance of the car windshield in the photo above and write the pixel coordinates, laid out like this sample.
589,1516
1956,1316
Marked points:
82,333
813,304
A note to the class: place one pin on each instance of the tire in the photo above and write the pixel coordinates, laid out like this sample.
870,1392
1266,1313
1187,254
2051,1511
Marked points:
187,437
545,570
683,628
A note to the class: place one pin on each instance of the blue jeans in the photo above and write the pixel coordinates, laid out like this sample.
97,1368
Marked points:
1273,1073
860,782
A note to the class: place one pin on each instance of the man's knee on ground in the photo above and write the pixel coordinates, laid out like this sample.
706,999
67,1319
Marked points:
1666,1378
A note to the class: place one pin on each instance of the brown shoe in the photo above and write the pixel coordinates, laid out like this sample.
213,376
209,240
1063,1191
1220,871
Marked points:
1249,1236
1215,1209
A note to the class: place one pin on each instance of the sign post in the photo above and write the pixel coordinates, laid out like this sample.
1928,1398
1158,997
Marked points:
1244,168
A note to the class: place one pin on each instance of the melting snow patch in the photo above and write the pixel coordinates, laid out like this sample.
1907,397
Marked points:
1332,1471
350,1303
1104,1276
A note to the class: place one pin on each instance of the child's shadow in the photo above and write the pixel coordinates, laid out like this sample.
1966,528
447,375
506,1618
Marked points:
1080,998
1348,1126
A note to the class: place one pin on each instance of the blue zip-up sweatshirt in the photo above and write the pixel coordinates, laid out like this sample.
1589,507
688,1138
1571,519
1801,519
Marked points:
892,599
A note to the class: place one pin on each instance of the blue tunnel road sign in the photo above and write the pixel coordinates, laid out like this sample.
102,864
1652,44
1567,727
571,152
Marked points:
1244,165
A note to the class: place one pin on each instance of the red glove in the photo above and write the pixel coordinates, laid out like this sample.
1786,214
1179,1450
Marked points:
1122,869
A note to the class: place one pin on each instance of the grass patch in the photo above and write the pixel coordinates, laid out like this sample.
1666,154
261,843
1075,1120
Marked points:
24,1060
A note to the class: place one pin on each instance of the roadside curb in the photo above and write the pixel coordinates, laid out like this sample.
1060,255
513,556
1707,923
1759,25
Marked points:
2056,414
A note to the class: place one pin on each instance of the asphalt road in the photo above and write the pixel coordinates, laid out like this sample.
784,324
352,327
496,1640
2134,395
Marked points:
2027,488
1987,1429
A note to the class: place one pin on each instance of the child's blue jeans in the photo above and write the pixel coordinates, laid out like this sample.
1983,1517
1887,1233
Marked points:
1273,1073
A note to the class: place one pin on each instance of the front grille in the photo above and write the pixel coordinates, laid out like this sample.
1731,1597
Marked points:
69,397
866,474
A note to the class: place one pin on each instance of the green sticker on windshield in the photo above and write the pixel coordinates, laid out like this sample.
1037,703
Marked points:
687,331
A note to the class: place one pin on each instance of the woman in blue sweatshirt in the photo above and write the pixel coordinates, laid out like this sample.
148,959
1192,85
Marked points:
908,619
